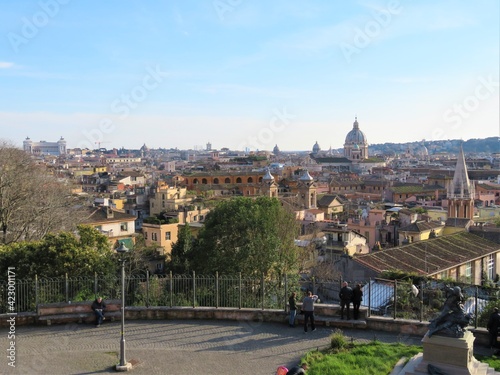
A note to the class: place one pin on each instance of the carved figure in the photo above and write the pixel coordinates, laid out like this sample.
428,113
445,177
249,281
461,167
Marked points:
453,320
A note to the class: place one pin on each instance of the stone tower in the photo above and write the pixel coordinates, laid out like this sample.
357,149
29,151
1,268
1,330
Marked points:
461,192
307,191
269,186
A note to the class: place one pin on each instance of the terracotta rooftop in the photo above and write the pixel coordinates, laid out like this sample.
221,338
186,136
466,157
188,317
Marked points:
431,256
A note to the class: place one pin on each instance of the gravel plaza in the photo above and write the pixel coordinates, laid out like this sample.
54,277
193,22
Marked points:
180,347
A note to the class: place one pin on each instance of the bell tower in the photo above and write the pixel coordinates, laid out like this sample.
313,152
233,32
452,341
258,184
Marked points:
269,186
461,192
307,191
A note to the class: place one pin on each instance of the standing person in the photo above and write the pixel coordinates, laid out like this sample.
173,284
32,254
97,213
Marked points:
99,306
292,302
345,296
357,297
493,325
308,309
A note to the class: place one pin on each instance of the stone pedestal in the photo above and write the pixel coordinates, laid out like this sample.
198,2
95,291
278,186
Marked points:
449,350
453,356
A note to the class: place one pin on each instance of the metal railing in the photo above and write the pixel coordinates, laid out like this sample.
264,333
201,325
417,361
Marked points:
387,298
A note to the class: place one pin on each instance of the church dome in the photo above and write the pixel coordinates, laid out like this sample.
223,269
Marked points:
276,150
316,148
356,136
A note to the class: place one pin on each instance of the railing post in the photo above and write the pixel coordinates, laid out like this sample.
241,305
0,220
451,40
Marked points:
194,289
147,288
475,307
66,287
421,301
95,284
217,289
171,290
263,289
369,297
286,290
395,298
36,291
239,291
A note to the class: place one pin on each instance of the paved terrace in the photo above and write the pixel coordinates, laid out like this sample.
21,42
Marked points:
177,347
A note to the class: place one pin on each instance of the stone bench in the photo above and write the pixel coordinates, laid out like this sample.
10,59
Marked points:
75,312
329,321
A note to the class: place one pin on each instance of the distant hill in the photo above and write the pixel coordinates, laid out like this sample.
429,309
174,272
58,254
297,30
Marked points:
477,146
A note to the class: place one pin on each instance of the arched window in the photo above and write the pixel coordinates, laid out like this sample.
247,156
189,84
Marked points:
227,180
238,180
204,181
195,181
250,180
216,180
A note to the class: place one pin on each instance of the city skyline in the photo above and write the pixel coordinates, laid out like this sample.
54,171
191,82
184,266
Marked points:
242,74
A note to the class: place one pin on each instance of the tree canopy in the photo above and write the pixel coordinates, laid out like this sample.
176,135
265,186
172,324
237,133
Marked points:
32,202
251,236
57,254
182,251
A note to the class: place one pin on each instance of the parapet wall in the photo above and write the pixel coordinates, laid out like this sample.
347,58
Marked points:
325,314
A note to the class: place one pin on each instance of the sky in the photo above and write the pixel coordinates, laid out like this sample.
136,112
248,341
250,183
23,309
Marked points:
247,74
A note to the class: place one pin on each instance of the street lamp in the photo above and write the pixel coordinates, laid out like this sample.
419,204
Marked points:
123,366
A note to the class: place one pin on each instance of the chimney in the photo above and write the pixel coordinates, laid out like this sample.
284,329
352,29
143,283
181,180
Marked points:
109,213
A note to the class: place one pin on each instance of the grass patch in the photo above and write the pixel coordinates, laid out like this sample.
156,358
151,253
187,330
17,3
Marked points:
375,358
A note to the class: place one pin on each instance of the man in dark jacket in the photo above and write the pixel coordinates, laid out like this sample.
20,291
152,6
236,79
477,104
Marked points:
345,296
98,306
493,325
357,297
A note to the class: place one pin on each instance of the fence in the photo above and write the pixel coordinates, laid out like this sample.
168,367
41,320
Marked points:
153,290
388,298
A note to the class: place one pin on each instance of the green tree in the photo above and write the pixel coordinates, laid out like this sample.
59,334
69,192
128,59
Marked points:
181,251
57,254
251,236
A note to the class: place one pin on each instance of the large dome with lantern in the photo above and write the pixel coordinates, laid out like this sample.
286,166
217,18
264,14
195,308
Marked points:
356,143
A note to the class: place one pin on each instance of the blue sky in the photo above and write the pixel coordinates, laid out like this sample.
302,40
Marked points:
247,73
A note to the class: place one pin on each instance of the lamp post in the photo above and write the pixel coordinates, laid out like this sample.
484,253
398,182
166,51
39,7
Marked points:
123,366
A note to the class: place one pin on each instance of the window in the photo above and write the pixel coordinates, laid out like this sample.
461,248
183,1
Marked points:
123,227
159,266
468,269
491,264
145,235
153,236
167,236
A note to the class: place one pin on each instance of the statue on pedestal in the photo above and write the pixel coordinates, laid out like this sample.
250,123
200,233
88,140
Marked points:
453,320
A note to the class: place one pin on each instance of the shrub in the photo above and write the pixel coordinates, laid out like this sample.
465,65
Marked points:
337,340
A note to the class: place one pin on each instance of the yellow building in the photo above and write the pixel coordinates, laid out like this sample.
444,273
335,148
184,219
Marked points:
161,235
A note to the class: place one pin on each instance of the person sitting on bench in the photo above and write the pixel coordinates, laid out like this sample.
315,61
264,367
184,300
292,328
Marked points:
99,306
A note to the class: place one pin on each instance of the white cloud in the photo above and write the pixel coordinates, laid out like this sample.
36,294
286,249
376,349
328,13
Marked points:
6,65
